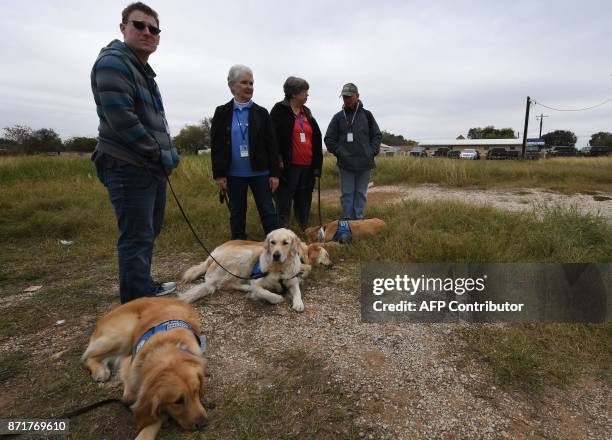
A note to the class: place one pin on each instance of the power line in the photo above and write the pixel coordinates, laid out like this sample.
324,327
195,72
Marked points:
574,109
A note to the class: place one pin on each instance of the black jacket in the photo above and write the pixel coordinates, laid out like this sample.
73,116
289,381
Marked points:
263,151
283,120
359,154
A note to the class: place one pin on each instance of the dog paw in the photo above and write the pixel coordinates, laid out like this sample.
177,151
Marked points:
298,306
101,375
276,299
186,297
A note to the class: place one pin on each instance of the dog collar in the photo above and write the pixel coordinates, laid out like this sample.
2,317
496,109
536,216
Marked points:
343,233
165,326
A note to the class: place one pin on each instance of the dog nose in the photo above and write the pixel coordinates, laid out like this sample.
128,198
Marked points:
276,256
202,423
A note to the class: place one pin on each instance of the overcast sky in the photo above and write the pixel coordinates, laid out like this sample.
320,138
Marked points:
428,70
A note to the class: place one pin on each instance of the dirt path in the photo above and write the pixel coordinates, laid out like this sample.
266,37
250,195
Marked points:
513,200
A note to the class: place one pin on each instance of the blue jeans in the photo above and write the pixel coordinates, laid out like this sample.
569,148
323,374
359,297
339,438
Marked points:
139,200
237,188
354,189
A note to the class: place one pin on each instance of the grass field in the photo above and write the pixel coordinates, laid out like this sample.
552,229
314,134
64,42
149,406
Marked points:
47,199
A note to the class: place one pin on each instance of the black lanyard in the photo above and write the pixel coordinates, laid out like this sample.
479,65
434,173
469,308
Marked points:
350,126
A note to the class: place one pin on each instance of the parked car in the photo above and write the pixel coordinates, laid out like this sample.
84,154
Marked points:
497,154
595,151
532,152
454,154
512,154
441,152
470,154
418,152
560,152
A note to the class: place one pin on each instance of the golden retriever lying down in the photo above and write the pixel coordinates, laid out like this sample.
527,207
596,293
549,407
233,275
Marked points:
310,255
279,260
359,228
162,377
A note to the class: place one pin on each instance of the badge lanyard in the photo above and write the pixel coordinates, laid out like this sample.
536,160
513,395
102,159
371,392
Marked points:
349,135
241,125
302,133
244,148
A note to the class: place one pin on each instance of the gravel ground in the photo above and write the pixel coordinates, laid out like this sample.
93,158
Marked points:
409,380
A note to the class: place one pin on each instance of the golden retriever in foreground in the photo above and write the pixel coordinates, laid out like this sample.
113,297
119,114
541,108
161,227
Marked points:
279,261
359,228
162,376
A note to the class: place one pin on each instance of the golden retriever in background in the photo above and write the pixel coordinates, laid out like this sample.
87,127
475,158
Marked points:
279,259
166,377
313,255
359,228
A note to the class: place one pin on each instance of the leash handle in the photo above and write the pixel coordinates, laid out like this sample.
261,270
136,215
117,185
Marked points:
319,199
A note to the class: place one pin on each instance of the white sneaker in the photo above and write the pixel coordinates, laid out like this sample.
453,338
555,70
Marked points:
164,289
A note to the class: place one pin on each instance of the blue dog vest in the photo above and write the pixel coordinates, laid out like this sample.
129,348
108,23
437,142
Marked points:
165,326
343,233
256,272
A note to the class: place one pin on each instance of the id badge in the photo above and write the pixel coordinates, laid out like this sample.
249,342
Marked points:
244,150
349,137
302,137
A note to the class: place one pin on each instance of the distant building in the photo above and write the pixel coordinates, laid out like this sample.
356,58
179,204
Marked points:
480,145
388,150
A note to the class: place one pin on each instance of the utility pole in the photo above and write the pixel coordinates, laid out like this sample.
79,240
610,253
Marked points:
541,118
526,126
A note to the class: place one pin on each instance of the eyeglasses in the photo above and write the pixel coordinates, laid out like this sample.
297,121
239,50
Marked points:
140,25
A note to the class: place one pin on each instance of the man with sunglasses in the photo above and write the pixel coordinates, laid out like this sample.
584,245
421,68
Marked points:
135,153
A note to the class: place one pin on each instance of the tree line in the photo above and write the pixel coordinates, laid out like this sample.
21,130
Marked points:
21,139
553,138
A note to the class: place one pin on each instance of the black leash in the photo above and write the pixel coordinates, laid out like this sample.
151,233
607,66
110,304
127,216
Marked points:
321,231
222,196
319,199
86,409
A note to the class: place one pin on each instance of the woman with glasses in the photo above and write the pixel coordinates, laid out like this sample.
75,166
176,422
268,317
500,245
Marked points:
299,143
244,154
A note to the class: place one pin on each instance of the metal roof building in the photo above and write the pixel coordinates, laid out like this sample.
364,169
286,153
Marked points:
473,143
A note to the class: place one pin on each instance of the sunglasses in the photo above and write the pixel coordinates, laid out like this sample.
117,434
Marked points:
140,25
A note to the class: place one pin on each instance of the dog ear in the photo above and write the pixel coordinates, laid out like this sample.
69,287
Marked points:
295,243
202,384
313,253
267,243
147,409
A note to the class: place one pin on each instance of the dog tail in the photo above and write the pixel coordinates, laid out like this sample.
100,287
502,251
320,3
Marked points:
195,272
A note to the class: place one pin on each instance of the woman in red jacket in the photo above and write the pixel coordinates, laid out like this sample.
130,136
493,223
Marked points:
300,147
